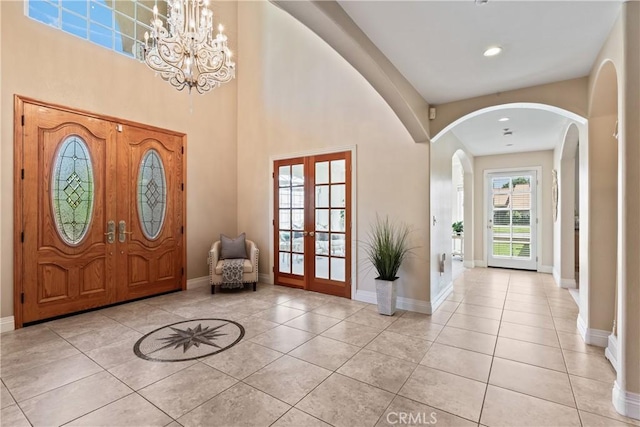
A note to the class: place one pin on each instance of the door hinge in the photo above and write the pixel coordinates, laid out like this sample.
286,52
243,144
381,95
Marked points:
182,186
536,220
22,120
21,173
273,175
22,236
273,269
22,298
273,222
182,271
182,150
536,259
182,230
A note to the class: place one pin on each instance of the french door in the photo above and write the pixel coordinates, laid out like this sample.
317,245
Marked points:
99,212
312,223
512,220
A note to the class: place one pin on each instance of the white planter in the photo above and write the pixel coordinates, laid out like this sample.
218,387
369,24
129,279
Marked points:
386,292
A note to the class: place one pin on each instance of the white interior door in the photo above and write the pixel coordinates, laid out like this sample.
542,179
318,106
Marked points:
512,220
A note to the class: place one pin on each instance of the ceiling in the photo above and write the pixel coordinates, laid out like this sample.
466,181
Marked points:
438,46
533,130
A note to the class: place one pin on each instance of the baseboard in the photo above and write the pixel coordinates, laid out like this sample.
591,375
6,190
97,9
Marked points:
366,296
265,278
197,282
556,277
611,352
402,303
7,324
625,402
480,263
468,264
564,283
545,269
568,284
444,294
596,337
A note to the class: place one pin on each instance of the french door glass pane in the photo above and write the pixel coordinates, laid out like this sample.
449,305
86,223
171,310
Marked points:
285,197
338,196
322,267
285,262
338,245
297,174
297,219
322,219
337,219
297,197
337,269
285,219
338,171
285,240
284,176
322,196
322,243
298,264
322,173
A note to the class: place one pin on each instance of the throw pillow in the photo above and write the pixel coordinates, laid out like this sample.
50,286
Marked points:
233,248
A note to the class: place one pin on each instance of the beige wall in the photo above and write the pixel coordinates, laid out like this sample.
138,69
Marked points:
570,95
441,209
543,159
297,95
47,64
620,49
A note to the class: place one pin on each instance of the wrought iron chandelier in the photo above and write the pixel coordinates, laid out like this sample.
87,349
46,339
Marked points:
187,54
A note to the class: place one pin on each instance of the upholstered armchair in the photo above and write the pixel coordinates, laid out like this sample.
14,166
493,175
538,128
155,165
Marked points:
249,267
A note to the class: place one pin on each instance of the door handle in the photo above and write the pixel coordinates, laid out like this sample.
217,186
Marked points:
111,232
305,233
122,231
312,233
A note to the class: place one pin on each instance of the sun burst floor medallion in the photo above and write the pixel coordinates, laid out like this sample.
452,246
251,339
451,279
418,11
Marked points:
188,340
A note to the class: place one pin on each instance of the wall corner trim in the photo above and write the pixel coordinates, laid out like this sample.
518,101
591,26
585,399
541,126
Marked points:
444,294
611,352
626,403
197,282
7,324
265,278
545,269
595,337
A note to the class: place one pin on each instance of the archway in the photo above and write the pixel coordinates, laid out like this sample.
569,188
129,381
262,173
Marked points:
598,307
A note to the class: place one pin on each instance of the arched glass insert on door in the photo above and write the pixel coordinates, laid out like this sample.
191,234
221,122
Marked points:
72,190
152,194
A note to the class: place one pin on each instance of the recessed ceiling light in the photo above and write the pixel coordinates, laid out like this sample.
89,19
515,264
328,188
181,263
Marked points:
509,145
503,119
492,51
507,132
481,2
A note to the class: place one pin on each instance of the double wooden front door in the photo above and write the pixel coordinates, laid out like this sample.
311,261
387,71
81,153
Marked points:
99,209
312,223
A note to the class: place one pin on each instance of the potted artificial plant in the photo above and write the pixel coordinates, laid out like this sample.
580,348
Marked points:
387,248
457,227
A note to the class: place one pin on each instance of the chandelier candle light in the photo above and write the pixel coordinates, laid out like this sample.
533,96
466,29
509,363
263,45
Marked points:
187,54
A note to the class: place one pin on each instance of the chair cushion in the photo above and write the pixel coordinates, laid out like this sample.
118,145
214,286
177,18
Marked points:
233,248
247,267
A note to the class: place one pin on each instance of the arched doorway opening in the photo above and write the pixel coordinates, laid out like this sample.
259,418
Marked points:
600,304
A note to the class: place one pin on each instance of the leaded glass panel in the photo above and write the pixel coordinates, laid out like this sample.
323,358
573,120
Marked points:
152,194
72,190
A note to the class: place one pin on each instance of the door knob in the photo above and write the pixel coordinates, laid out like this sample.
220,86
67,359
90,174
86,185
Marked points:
305,233
111,231
122,231
312,233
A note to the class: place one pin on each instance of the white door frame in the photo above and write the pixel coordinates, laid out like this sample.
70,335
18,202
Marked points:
485,214
354,204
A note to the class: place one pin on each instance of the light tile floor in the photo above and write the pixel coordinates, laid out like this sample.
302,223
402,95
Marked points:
503,350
